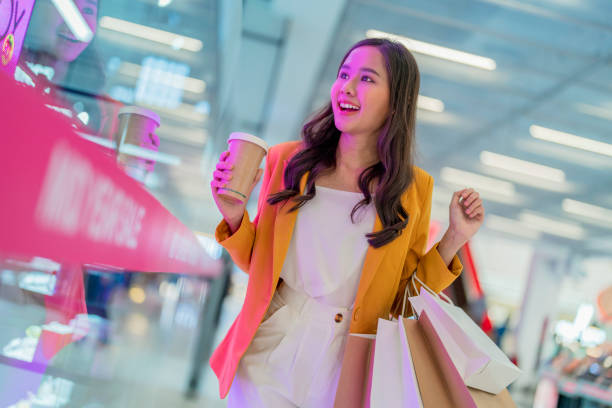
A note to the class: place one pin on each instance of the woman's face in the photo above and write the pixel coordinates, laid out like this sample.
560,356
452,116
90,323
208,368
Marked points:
360,94
52,35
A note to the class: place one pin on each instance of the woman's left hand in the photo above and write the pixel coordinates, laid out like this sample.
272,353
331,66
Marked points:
466,214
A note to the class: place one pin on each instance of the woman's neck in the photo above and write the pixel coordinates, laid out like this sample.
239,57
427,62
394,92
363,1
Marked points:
356,152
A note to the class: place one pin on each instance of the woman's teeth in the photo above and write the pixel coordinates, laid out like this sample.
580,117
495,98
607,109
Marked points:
347,106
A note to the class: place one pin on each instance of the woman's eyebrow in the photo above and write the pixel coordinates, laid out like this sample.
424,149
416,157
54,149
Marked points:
346,66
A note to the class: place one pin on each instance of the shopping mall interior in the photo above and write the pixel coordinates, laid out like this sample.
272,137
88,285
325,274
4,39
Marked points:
515,101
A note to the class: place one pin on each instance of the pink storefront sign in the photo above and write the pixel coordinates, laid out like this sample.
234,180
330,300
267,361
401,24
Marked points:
66,199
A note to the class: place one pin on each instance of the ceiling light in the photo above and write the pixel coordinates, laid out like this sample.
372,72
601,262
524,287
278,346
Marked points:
74,19
189,84
596,111
163,3
587,210
477,181
567,139
150,33
437,51
430,104
550,226
521,166
511,226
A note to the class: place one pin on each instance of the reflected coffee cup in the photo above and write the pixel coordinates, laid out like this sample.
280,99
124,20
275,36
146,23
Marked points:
246,154
136,130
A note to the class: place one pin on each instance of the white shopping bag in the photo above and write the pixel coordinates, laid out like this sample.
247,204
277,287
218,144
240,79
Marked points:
394,381
478,360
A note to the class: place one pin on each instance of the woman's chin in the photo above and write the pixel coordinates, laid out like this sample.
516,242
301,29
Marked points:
343,126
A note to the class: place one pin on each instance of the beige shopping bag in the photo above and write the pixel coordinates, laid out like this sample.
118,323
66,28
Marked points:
356,375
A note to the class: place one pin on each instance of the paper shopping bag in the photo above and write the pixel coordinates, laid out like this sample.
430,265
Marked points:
484,399
356,374
481,364
440,384
393,379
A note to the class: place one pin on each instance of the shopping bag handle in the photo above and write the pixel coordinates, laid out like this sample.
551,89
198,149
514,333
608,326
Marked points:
440,295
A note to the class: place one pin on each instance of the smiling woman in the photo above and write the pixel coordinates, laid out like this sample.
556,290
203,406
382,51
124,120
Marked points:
340,255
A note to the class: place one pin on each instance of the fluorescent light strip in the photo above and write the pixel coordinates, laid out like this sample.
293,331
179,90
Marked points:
141,152
550,226
477,181
437,51
511,226
587,210
99,140
567,139
151,34
74,19
596,111
521,166
430,104
189,84
134,150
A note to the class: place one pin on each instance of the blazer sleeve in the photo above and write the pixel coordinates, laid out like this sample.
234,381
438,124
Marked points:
240,244
429,266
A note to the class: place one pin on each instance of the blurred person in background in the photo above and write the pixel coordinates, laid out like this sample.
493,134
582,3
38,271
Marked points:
70,70
321,272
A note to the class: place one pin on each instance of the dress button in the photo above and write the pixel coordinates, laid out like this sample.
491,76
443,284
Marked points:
338,318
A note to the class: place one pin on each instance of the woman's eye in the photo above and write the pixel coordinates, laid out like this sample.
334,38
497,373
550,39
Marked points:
343,75
367,78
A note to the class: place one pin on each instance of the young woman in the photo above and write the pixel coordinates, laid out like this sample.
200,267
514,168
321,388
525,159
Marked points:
342,224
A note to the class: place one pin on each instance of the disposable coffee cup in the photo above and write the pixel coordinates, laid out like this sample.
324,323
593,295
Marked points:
246,153
136,127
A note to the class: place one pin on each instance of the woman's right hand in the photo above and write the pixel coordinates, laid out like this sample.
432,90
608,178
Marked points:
232,211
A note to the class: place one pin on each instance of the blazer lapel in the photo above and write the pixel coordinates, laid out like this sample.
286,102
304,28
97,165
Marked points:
372,261
283,230
374,256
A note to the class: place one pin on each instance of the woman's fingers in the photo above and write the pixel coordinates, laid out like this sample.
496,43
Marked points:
471,198
223,165
217,183
475,204
478,212
222,175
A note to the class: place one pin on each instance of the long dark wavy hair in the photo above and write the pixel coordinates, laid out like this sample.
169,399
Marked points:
394,172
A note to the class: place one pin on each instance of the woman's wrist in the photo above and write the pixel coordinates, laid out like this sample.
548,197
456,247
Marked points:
449,245
234,223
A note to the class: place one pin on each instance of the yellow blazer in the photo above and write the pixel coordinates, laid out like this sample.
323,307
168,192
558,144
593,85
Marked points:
259,248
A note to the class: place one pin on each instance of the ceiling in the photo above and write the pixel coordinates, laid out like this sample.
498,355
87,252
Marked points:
268,64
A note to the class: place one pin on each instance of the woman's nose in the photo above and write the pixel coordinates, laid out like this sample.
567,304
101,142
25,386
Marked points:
348,89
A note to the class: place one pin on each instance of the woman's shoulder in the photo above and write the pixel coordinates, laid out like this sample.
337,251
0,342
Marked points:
423,181
419,190
283,151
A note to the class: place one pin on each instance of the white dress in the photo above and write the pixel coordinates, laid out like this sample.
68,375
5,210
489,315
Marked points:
295,357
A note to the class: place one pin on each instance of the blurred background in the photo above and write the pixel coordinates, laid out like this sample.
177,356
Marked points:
515,101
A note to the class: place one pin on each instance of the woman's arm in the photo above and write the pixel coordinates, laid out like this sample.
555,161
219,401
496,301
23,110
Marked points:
438,267
239,240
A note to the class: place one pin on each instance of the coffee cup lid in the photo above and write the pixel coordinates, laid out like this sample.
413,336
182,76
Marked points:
248,138
137,110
